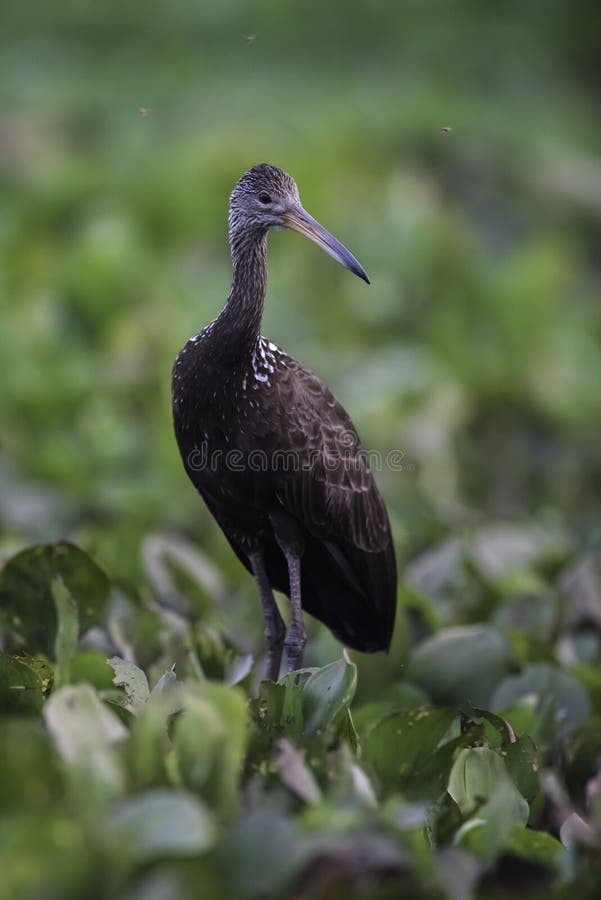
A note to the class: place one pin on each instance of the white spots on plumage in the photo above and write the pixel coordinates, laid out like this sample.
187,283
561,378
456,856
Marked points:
263,362
196,338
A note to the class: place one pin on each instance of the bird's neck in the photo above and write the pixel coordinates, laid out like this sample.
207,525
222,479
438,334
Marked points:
239,323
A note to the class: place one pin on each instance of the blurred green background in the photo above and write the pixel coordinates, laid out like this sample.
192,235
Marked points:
454,147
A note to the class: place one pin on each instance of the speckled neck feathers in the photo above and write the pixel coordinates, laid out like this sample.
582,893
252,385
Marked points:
238,325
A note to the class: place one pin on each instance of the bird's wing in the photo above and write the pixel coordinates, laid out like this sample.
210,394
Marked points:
328,484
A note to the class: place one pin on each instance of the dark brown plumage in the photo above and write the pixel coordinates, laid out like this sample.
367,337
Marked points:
274,455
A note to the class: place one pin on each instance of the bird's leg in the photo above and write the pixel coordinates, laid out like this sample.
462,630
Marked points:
274,624
290,541
296,637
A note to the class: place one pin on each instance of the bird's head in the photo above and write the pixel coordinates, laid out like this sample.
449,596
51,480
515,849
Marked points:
266,197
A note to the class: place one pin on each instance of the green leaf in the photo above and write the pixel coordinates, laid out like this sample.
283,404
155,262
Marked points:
401,749
166,681
91,666
29,766
536,846
292,720
296,774
306,704
199,734
523,764
267,851
84,730
20,687
557,697
218,657
327,695
482,789
461,664
133,681
209,740
475,776
26,592
502,734
61,864
149,747
67,630
160,823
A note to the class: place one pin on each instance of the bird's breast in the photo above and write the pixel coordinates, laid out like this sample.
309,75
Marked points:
228,419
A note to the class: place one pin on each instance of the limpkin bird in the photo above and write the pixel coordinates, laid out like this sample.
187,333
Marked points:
273,454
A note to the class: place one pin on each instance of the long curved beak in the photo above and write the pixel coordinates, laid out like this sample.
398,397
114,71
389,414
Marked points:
298,220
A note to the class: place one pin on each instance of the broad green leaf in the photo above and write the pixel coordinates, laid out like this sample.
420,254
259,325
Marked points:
476,774
133,681
327,695
30,777
520,753
554,694
303,705
536,846
402,746
84,730
67,630
523,764
218,657
199,734
460,664
20,687
160,823
91,666
266,718
182,576
62,865
503,549
594,800
26,592
590,677
149,746
348,783
501,732
292,719
347,731
78,721
403,695
209,739
267,849
238,669
166,681
42,668
296,774
482,789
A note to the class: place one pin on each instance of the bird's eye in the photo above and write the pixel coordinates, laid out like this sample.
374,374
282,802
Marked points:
264,198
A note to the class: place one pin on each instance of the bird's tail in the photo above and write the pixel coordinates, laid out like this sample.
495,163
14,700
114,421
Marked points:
351,591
